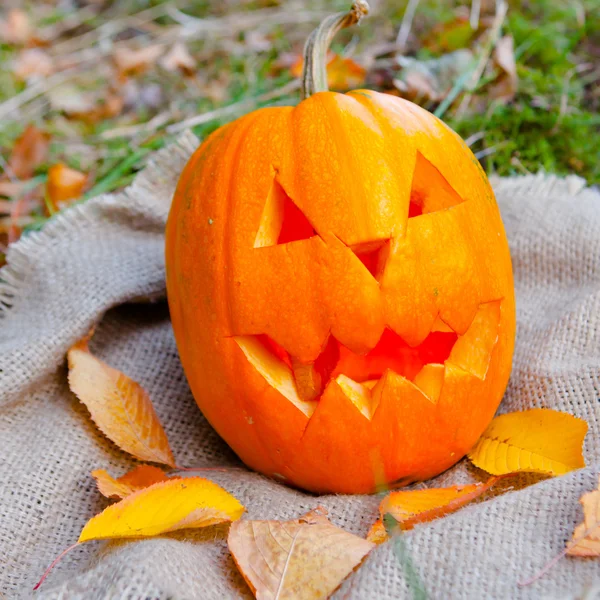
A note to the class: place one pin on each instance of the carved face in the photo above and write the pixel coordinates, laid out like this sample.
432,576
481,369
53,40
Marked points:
341,291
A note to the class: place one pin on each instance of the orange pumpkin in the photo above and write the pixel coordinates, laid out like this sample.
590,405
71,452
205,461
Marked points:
340,288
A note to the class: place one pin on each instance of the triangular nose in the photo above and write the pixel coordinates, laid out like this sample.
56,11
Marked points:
373,255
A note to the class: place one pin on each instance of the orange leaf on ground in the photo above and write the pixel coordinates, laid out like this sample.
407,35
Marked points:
342,73
419,506
539,440
377,534
29,152
64,184
304,558
137,479
586,537
118,405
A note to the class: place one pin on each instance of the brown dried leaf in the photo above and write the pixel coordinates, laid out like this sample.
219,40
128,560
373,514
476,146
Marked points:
85,106
130,62
32,63
178,58
305,558
586,537
16,28
434,78
137,479
64,185
29,152
504,58
119,406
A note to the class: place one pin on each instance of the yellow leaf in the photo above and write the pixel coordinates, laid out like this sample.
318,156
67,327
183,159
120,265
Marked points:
182,503
419,506
377,534
306,558
119,406
137,479
538,441
586,537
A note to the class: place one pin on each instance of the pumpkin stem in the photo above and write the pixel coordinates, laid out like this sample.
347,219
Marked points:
314,72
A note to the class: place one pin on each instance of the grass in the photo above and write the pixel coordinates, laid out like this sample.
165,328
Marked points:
550,124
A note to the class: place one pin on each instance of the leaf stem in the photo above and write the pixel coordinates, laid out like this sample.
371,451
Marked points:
53,564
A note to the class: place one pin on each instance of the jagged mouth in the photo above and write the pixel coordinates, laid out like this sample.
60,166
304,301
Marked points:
303,384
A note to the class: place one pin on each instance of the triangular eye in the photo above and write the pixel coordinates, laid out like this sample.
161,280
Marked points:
282,221
430,190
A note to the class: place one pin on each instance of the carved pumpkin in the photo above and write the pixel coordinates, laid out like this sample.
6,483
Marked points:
341,291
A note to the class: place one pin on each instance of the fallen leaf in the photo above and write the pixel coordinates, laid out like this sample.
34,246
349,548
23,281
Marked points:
32,63
182,503
119,406
419,506
432,79
137,479
29,152
90,107
537,441
178,58
16,28
129,61
342,73
449,36
586,537
304,558
377,534
70,99
505,87
63,185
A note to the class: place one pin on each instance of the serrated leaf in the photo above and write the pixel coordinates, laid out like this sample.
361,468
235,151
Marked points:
408,508
119,406
586,537
137,479
182,503
306,558
538,441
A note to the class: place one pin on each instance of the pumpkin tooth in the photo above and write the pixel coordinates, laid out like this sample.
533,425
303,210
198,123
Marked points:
275,371
358,393
430,380
308,380
472,352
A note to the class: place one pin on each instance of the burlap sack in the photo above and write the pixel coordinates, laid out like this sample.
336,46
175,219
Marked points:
96,257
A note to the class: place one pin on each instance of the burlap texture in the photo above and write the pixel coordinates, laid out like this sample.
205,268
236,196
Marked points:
109,252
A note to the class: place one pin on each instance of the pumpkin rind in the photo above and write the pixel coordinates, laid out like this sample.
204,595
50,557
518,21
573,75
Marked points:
349,163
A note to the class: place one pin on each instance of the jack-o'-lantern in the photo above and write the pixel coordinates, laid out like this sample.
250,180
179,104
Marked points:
340,287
